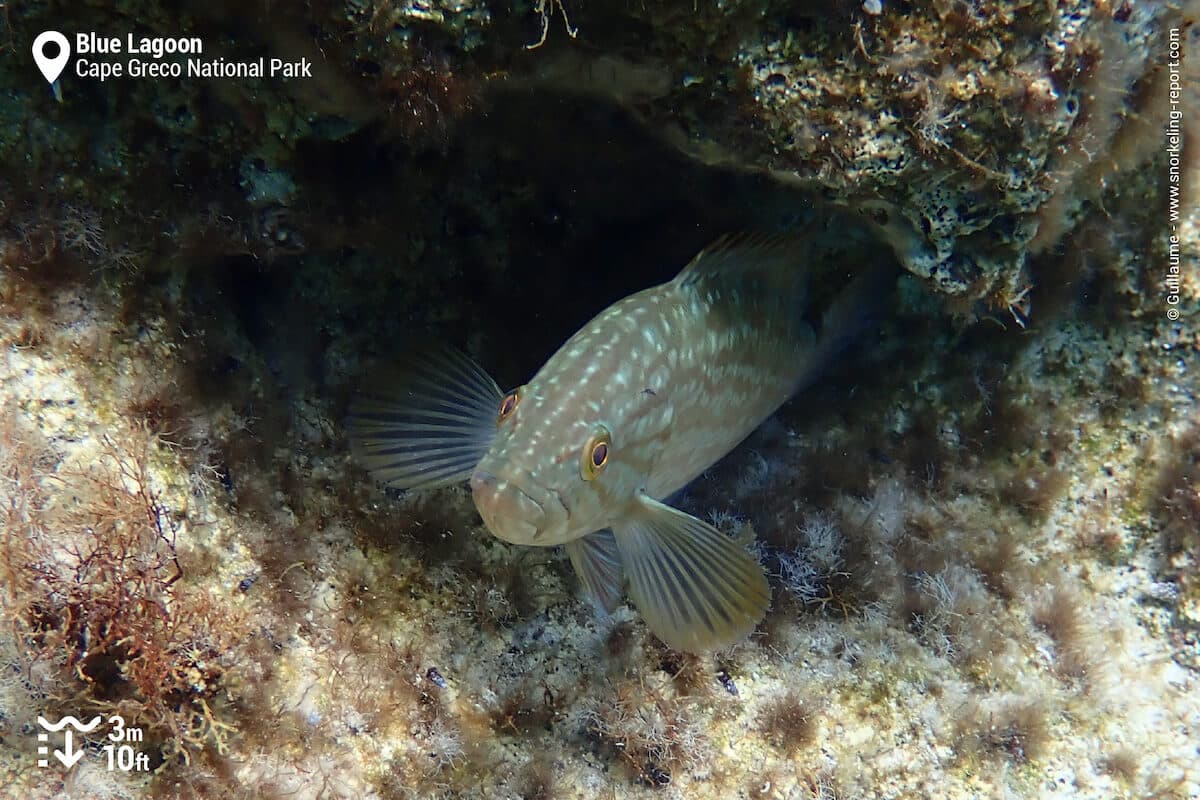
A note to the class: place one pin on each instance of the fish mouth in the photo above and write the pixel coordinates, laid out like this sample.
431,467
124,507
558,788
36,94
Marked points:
509,512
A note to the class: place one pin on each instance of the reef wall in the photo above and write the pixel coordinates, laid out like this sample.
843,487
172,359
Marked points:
981,527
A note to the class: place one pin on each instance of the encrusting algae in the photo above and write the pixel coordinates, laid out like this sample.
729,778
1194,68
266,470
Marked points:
980,539
639,402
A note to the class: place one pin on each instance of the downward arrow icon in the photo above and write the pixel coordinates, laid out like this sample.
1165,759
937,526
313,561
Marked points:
70,757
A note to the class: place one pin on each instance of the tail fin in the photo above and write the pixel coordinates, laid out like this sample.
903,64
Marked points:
853,312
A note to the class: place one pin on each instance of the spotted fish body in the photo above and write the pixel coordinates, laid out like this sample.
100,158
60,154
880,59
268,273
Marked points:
641,400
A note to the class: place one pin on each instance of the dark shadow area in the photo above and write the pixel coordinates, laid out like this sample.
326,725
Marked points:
542,211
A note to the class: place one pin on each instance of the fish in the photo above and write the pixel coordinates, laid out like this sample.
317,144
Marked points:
639,402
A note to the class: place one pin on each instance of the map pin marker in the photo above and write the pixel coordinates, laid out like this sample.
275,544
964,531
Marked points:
51,67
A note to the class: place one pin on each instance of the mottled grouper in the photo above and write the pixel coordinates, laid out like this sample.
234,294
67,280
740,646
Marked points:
640,401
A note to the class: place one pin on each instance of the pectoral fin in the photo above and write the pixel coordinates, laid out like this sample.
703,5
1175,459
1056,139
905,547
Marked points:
697,589
426,422
598,565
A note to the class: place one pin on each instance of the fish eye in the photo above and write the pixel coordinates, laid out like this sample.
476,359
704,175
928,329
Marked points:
596,453
508,405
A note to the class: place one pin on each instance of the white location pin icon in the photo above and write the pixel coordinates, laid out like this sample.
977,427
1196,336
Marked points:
51,67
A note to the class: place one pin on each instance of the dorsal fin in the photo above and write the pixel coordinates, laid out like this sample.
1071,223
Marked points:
734,255
753,276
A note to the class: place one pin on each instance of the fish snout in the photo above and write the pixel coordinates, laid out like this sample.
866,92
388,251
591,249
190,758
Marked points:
509,513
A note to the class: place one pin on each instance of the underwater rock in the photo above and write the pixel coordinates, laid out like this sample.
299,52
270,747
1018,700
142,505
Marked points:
971,142
980,540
